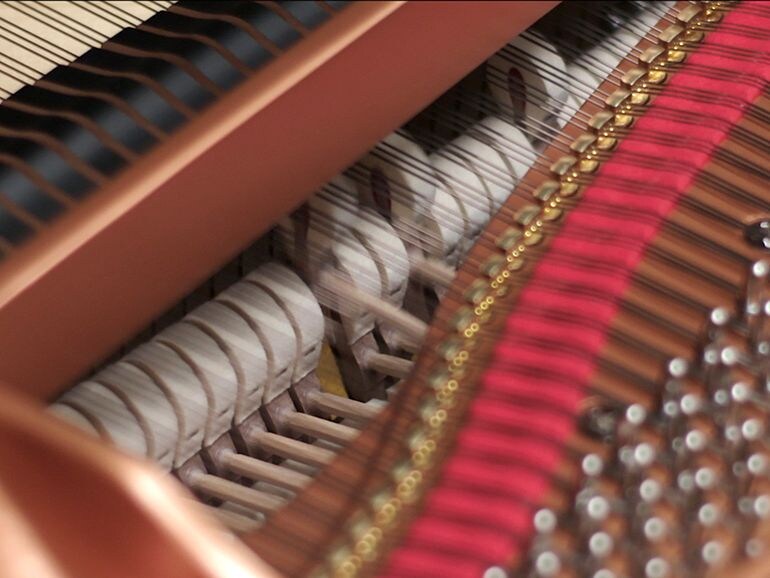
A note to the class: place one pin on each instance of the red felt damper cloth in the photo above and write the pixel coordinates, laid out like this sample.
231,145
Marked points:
479,513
